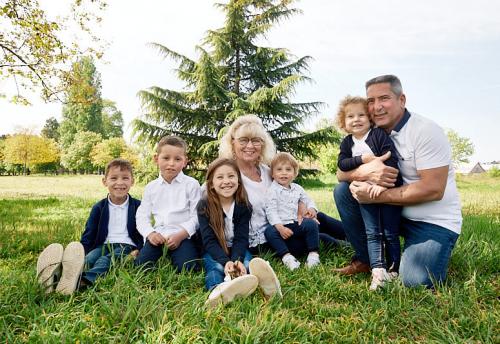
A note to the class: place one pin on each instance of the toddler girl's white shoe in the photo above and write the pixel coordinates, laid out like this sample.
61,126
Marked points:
379,277
268,281
226,292
48,266
312,260
290,261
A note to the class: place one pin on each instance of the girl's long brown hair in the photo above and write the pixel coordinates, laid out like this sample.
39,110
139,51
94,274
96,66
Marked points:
214,210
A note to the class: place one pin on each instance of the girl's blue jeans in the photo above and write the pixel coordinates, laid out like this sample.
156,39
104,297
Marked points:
214,271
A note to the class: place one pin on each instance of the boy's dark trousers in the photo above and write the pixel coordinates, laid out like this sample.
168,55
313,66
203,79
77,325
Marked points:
306,234
184,257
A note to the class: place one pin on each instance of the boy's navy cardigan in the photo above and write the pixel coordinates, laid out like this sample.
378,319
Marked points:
241,221
96,228
379,142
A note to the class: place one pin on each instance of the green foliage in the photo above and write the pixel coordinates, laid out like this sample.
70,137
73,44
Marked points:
29,150
109,149
35,54
162,306
112,119
77,156
51,129
461,148
234,76
494,172
83,108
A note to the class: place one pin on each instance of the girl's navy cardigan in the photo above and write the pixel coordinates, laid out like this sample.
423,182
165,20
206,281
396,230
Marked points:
96,228
379,142
241,221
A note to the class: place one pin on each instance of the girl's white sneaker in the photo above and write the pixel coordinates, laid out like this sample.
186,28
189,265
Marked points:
226,292
268,281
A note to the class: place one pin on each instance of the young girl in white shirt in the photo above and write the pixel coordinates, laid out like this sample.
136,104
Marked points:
224,215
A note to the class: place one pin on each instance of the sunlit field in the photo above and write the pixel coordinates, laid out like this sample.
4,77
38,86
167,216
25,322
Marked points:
129,305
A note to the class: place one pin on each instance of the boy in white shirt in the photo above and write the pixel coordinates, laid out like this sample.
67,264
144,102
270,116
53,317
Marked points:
282,202
171,200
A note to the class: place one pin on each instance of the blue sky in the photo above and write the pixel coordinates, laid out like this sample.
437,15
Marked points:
445,52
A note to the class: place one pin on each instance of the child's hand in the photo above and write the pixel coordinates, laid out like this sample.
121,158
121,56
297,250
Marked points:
375,190
156,239
174,240
285,232
134,253
239,269
229,269
366,158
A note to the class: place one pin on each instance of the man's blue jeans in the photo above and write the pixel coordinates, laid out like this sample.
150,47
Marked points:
427,248
214,271
99,260
184,257
306,234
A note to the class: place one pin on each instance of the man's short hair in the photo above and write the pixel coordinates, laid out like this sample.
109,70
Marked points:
123,164
283,157
393,80
171,140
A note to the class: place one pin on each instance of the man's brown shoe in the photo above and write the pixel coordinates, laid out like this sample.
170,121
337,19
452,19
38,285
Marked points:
355,267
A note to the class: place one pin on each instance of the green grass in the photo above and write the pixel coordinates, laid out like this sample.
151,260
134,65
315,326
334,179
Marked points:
129,305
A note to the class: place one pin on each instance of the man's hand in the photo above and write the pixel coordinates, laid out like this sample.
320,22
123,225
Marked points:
376,172
360,191
285,232
375,190
174,240
156,239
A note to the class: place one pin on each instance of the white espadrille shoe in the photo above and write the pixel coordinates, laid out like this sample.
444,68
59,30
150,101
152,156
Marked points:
72,267
48,266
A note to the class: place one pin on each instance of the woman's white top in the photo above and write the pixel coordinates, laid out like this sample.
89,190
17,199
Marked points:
257,195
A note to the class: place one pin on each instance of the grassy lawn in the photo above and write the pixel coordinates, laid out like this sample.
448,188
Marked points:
318,306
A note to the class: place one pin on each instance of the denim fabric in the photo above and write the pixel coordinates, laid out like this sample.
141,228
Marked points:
100,259
427,247
426,254
214,271
382,230
306,233
330,226
352,221
183,257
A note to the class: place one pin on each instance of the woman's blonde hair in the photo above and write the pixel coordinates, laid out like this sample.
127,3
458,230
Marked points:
247,126
348,100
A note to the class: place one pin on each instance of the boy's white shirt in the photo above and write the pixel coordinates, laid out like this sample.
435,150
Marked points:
117,224
172,206
282,203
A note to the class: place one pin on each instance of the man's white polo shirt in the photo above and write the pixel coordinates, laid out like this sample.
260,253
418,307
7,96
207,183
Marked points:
421,145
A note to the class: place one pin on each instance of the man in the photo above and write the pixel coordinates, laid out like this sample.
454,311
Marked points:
431,217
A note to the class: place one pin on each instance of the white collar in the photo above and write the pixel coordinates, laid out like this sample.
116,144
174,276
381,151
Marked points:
123,205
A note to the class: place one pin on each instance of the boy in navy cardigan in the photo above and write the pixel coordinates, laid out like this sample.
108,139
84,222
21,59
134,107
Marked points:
110,234
362,145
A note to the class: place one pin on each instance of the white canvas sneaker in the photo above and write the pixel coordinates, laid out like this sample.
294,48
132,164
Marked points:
312,260
48,266
290,261
72,267
379,277
268,281
226,292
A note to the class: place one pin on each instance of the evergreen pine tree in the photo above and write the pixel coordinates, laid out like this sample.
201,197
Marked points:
232,77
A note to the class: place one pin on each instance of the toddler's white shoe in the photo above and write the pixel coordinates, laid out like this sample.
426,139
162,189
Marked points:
48,266
268,281
379,277
312,260
72,267
226,292
290,261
